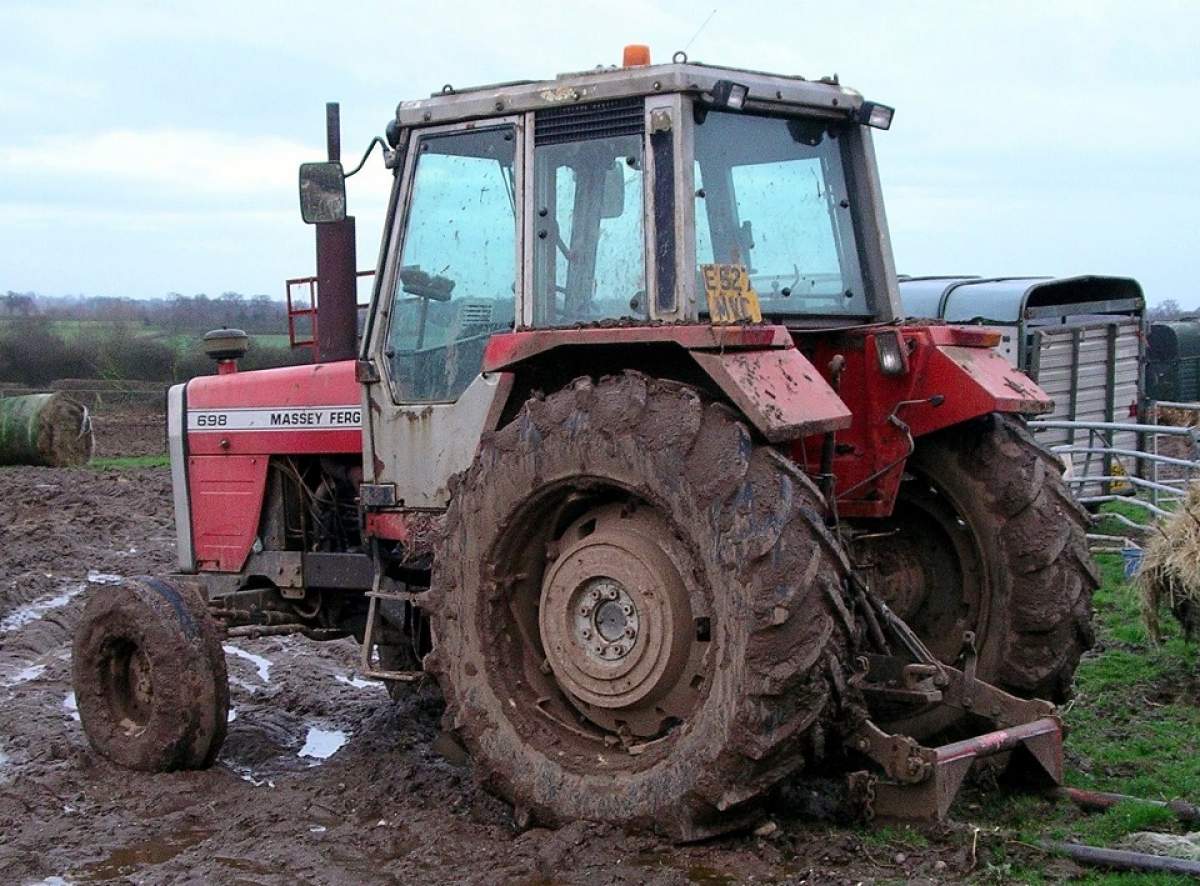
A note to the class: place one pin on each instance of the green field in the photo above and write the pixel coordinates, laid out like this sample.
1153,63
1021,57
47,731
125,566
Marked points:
72,330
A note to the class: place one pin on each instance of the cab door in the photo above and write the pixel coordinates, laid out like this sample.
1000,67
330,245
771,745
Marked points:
450,283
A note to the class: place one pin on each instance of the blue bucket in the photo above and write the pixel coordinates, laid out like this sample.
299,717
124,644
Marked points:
1132,557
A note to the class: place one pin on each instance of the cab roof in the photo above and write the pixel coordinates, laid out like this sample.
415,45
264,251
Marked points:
766,92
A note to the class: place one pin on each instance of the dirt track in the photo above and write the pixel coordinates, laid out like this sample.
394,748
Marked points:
382,807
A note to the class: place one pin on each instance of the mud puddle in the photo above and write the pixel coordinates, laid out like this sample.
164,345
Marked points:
130,859
321,744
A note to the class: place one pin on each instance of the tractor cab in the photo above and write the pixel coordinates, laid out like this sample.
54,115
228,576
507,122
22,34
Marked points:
647,194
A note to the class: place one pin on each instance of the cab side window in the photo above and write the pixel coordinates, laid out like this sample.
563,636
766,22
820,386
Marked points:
456,282
589,241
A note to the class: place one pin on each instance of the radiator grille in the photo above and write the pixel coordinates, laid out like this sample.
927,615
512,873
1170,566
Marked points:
595,120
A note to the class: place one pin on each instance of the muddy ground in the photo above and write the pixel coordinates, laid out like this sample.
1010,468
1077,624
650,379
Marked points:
322,778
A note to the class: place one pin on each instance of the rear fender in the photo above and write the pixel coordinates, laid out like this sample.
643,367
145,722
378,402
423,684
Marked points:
758,368
952,376
778,391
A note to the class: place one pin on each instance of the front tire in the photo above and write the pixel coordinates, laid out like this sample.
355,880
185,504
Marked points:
637,611
149,676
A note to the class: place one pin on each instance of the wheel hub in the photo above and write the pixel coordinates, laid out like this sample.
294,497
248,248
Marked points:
615,620
607,624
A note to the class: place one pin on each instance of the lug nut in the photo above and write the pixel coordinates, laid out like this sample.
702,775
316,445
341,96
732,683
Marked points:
595,593
611,593
618,650
627,609
630,632
585,609
586,634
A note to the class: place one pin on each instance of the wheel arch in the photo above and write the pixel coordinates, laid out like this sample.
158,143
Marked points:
775,389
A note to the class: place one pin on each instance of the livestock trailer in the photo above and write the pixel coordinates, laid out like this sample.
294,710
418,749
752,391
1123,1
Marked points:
1080,338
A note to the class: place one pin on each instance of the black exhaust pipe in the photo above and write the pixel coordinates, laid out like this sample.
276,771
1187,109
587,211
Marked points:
337,270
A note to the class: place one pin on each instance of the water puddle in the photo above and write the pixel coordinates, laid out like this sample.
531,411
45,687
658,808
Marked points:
359,682
245,773
24,675
263,665
128,860
31,612
103,578
71,707
321,744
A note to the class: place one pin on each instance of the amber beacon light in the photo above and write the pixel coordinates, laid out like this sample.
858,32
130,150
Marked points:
636,55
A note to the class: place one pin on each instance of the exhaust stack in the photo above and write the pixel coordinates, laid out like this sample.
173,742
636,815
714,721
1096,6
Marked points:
337,280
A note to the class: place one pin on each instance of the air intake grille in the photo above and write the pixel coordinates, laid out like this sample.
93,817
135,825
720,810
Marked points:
596,120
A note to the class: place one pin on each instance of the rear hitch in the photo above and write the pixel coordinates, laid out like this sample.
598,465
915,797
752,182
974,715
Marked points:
919,782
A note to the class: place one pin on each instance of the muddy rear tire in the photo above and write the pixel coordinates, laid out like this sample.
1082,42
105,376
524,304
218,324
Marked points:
990,540
636,496
149,676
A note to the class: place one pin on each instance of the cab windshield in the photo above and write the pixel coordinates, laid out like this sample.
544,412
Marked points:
771,197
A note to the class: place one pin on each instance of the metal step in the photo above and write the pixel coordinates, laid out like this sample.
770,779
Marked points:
366,666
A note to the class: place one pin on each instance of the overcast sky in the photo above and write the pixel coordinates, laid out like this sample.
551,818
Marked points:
152,147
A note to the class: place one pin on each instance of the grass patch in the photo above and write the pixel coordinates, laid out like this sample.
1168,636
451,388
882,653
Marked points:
1133,728
1108,525
895,836
158,460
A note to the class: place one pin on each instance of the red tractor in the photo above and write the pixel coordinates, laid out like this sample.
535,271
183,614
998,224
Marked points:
637,459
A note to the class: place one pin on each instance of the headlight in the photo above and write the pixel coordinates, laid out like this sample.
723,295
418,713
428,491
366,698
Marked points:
890,350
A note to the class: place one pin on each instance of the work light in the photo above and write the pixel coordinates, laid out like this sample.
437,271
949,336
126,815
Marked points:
729,95
875,115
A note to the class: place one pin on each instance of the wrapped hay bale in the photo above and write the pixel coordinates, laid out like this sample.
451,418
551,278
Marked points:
1170,573
44,429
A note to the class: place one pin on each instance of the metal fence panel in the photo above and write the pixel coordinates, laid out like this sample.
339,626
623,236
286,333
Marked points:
1092,371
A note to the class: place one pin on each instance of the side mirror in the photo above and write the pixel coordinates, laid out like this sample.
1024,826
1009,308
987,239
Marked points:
612,200
322,193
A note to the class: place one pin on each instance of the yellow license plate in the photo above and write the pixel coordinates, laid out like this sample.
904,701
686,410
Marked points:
731,298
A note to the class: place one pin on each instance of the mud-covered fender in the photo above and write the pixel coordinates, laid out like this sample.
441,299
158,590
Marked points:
973,381
757,367
779,391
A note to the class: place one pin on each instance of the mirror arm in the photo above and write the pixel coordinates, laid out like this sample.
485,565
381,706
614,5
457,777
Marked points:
363,162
